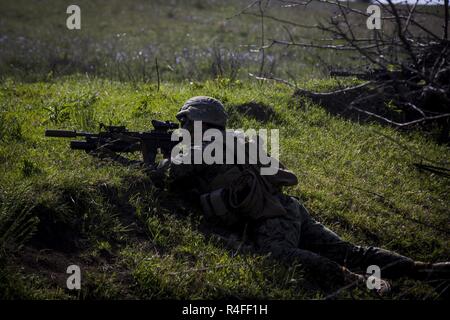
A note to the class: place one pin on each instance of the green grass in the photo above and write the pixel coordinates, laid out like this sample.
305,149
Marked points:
192,40
60,207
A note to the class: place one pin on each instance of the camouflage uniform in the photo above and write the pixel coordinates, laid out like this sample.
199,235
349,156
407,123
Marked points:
290,233
293,237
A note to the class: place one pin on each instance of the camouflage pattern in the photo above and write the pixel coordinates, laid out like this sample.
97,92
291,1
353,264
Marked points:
293,236
297,237
205,109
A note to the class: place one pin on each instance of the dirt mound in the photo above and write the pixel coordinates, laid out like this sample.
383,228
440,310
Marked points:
336,104
257,111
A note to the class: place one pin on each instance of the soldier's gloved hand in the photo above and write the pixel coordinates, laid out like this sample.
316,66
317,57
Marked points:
383,286
158,177
352,279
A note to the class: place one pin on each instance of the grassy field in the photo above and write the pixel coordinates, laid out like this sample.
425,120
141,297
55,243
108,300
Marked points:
191,39
60,207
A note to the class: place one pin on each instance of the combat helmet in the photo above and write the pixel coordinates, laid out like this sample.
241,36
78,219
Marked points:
205,109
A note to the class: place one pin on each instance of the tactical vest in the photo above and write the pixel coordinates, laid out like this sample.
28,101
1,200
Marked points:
240,192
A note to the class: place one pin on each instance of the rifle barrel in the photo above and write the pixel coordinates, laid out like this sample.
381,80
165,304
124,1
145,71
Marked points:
67,134
61,133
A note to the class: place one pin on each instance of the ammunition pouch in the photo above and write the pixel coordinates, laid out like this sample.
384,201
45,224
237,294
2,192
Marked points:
248,197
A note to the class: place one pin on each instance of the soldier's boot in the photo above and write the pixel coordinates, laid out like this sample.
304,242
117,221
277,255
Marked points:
329,275
391,264
349,279
431,271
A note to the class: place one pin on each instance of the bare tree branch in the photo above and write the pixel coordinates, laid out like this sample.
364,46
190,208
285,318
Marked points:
399,124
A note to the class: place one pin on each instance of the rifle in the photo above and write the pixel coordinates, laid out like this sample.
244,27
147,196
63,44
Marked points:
119,139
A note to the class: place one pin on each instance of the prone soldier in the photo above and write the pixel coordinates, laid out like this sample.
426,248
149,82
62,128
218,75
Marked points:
279,224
